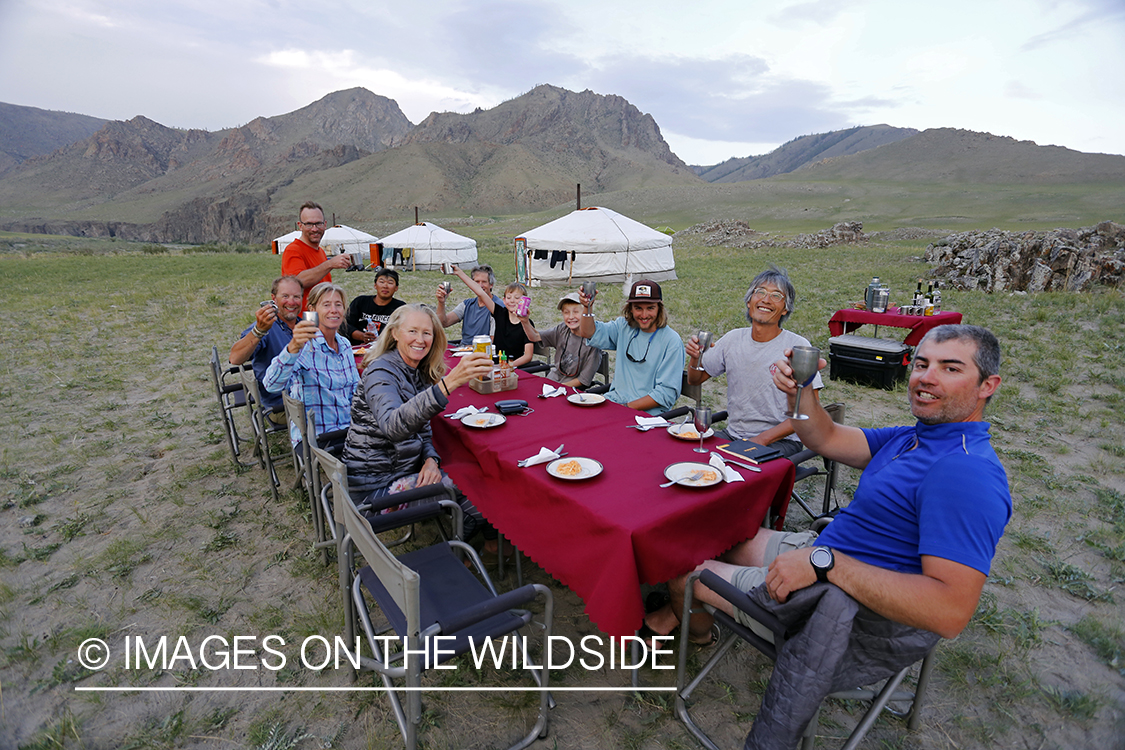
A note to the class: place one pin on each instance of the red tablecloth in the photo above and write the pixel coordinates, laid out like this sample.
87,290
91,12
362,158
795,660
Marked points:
602,537
844,321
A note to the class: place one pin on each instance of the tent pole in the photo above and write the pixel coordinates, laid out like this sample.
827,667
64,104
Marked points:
415,214
579,196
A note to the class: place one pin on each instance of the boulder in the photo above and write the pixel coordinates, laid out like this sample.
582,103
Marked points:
1056,260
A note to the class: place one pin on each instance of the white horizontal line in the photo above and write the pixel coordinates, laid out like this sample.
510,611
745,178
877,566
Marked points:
368,689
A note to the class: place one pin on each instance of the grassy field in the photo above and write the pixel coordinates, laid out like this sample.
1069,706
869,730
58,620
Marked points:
122,514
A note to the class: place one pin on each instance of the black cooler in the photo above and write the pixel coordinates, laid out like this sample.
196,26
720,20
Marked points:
864,359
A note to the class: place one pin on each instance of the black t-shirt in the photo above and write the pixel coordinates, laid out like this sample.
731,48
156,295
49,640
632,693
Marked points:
364,308
509,338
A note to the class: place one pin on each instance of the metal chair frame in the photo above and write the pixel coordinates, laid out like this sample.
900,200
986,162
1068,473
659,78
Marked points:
263,428
231,397
401,592
334,521
807,468
880,697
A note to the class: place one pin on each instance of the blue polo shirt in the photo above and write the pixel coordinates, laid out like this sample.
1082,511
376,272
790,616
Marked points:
277,338
935,490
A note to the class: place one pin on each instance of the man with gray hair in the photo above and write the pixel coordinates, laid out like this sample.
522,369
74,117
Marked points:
476,319
756,409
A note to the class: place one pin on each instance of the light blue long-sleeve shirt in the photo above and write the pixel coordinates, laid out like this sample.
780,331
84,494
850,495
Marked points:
659,375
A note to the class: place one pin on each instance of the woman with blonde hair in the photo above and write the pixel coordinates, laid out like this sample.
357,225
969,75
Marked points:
318,367
389,447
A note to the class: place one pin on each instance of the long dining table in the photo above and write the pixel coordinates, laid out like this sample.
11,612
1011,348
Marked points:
603,536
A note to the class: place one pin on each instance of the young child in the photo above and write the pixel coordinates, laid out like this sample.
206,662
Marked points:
575,361
513,331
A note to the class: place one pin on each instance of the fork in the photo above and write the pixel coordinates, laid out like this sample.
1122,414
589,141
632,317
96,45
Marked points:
695,477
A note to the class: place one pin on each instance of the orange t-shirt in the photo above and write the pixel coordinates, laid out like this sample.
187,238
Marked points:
300,256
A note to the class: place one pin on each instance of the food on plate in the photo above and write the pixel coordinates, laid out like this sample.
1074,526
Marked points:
688,434
709,476
569,469
483,421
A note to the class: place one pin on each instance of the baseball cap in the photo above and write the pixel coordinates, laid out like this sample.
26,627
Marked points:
572,297
645,291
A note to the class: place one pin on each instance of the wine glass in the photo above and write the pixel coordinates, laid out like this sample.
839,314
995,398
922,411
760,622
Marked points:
702,421
590,288
704,344
805,363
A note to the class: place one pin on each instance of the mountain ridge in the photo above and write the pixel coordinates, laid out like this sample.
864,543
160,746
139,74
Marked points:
356,152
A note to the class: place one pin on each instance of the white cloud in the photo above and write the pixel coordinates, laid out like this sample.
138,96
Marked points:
718,74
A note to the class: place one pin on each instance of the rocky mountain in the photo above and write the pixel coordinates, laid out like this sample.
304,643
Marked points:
353,151
803,151
29,131
949,155
139,170
529,152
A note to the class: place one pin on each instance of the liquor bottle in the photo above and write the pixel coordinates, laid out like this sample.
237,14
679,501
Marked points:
917,302
936,299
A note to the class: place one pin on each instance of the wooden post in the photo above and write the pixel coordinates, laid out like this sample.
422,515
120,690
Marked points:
579,197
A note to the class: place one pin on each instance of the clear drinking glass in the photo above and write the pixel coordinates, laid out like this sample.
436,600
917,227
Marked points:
805,362
702,420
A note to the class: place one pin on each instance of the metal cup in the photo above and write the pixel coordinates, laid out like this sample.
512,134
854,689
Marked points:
704,344
589,288
311,316
447,286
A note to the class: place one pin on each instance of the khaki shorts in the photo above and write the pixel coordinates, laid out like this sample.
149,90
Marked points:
748,579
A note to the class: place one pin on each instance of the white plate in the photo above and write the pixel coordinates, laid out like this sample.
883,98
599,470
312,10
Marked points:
483,421
586,399
687,468
588,467
675,429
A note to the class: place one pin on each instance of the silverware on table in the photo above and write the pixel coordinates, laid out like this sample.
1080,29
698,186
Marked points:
695,477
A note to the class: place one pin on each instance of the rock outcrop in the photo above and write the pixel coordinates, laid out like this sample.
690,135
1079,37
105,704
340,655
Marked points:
739,234
1056,260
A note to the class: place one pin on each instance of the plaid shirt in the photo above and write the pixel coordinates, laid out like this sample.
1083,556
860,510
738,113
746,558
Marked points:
324,379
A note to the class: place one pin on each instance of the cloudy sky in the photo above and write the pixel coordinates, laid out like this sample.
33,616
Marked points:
721,77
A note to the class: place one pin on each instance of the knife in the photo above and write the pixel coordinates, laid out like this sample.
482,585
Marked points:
737,463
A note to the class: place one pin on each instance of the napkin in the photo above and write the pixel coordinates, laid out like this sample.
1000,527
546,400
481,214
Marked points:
647,423
543,456
550,391
465,411
729,474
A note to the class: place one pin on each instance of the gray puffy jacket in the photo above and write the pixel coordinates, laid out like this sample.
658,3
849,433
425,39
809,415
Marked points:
390,434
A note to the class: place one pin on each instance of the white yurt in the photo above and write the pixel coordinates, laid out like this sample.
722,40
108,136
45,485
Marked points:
429,246
336,240
595,244
283,241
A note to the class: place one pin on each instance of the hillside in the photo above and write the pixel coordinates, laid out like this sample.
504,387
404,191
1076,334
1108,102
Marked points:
802,151
526,154
948,155
29,131
354,151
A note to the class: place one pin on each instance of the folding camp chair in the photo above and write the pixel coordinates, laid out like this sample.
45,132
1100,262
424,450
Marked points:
263,428
807,468
333,514
232,398
770,642
429,593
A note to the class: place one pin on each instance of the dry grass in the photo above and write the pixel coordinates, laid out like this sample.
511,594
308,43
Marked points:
122,515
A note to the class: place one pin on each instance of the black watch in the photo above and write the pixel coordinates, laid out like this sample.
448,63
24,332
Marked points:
822,561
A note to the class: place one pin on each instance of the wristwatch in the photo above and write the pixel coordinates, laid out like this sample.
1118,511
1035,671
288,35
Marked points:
822,561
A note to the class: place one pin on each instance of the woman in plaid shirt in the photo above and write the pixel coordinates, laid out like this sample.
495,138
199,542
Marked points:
318,367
